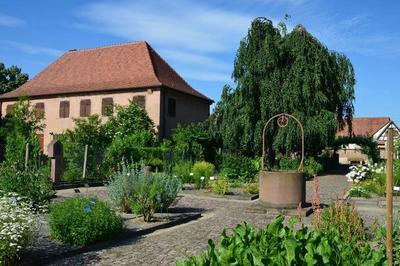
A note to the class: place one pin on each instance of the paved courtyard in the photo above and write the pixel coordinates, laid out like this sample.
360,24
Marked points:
165,246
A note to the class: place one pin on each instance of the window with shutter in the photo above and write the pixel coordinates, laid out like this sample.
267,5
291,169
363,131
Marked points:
107,106
140,100
64,109
9,108
85,108
39,108
171,107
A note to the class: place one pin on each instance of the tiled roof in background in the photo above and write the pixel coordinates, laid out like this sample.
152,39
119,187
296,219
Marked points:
364,126
124,66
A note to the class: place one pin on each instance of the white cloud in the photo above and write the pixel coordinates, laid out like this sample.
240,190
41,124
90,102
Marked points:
10,21
192,36
32,49
190,26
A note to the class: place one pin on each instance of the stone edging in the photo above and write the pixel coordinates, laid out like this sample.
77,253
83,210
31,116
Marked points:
125,235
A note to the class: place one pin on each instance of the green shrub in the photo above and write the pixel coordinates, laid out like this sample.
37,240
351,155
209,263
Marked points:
17,227
81,221
202,172
220,185
396,173
87,131
130,189
239,167
32,183
286,163
278,244
182,170
152,193
359,191
381,238
312,167
120,186
342,219
251,188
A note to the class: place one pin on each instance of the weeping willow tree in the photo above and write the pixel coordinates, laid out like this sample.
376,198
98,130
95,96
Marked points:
274,72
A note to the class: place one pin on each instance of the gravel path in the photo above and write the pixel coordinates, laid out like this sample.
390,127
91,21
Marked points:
164,247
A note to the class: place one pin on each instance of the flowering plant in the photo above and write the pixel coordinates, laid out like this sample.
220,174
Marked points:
358,173
17,226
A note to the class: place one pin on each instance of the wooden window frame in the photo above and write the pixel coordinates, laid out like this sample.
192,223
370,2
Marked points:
9,108
40,108
85,108
107,106
64,109
140,100
171,107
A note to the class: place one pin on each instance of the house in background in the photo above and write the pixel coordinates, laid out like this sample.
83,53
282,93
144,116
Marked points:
375,127
85,82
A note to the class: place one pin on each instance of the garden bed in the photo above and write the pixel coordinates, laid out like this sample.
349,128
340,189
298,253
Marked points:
234,193
46,250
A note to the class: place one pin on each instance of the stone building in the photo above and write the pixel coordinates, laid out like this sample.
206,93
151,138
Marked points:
92,81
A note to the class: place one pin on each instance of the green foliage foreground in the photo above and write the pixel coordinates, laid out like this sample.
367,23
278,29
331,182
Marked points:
278,244
80,221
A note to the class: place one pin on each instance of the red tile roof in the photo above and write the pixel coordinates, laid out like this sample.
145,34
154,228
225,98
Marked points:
115,67
364,126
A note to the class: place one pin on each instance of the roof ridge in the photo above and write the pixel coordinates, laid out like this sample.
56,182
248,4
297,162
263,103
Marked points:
173,70
106,46
148,49
370,117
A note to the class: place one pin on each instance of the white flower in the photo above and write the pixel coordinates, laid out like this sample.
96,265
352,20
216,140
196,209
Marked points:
212,178
202,178
191,174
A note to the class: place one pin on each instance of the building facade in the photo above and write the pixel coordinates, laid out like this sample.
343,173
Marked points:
93,81
373,127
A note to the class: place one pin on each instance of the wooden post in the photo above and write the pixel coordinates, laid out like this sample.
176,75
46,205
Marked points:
389,196
84,162
26,155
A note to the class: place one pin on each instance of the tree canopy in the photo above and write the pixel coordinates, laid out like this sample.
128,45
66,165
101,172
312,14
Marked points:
11,78
275,72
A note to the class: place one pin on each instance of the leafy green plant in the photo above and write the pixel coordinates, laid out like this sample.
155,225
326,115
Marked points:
33,183
239,167
193,143
182,170
342,219
81,221
312,167
220,185
251,188
381,238
278,244
286,163
130,189
202,172
359,191
88,131
120,186
153,192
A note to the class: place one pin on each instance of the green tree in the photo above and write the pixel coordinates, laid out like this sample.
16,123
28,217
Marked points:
275,72
193,143
11,78
88,131
19,128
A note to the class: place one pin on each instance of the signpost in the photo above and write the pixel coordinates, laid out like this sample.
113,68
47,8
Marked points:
389,196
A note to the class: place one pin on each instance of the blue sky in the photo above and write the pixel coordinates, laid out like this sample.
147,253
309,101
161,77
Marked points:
199,38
